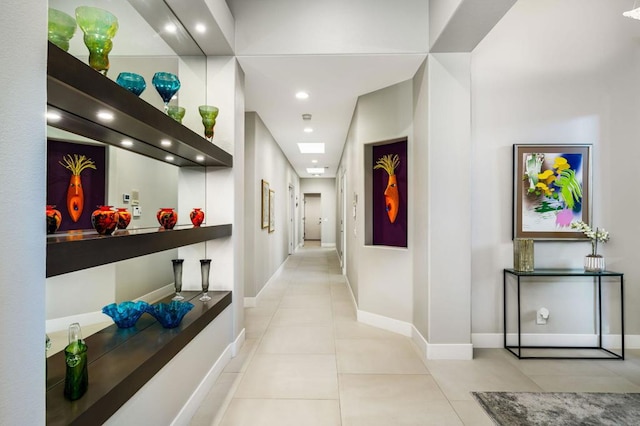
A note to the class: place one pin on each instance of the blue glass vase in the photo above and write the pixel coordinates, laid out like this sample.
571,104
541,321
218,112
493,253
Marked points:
167,85
170,314
125,314
132,82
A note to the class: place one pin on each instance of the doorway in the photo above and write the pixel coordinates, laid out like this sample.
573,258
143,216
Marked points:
292,215
312,217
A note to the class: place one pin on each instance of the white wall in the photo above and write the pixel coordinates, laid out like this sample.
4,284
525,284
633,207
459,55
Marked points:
558,73
327,190
265,251
22,248
329,27
381,277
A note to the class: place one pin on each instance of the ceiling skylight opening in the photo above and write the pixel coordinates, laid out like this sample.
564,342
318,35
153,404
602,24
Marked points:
315,170
169,158
105,115
308,130
53,116
302,95
311,148
126,142
171,28
165,142
314,161
201,28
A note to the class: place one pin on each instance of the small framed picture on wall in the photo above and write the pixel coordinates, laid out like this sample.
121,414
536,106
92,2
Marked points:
265,204
551,189
272,211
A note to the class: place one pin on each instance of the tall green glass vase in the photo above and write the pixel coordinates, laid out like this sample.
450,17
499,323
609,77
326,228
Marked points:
209,114
99,27
76,380
61,28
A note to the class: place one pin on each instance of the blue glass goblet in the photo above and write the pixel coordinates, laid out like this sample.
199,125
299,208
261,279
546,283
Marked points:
132,82
167,85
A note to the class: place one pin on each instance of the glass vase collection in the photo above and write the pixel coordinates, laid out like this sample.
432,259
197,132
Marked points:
196,216
62,27
167,218
177,278
205,265
132,82
104,220
166,85
99,27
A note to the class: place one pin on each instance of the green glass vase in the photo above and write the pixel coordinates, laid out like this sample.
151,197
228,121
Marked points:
62,27
176,112
209,114
99,27
76,379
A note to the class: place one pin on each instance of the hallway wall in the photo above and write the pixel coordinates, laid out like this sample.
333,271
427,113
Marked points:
326,187
265,251
556,73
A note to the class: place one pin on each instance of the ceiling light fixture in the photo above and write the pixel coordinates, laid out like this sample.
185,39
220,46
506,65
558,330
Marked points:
165,142
201,28
200,158
105,115
633,13
169,158
126,142
314,161
308,130
311,148
171,28
315,170
302,95
306,117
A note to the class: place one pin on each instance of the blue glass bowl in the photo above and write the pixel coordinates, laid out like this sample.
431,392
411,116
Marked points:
166,84
170,314
132,82
126,314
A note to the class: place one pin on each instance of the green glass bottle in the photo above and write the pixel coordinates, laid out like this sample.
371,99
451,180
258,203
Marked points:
76,380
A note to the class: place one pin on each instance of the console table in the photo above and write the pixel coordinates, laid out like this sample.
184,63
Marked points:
596,278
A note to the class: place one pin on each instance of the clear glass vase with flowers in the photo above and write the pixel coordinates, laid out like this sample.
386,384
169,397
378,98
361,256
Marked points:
593,262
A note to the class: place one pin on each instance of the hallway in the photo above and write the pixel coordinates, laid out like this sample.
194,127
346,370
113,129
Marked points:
307,361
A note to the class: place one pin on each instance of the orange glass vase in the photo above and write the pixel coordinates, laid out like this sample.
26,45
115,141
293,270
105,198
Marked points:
167,218
104,220
124,218
196,216
54,218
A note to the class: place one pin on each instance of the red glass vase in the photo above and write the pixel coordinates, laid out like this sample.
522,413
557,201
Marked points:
104,220
196,216
167,218
124,218
54,218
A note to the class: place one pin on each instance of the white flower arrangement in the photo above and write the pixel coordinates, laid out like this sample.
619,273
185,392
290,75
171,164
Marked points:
597,236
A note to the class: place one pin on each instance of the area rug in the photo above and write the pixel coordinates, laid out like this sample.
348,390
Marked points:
566,409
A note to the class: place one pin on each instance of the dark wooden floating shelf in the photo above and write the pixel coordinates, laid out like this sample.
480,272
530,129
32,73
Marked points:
122,361
78,250
78,92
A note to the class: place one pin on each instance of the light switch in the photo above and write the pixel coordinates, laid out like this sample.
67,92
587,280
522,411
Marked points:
137,211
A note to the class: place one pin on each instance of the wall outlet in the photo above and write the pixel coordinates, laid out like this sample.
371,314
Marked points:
137,211
542,316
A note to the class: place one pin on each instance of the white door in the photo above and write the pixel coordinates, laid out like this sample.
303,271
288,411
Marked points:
312,217
292,215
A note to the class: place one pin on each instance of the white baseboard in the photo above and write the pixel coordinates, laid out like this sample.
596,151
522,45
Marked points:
385,323
496,340
328,245
252,302
454,351
195,401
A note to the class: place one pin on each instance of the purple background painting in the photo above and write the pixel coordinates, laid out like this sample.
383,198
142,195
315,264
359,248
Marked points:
93,181
384,232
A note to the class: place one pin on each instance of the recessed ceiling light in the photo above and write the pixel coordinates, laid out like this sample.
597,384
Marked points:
201,28
169,158
306,117
308,130
126,142
311,148
171,28
314,161
165,142
302,95
199,157
105,115
315,170
53,116
316,175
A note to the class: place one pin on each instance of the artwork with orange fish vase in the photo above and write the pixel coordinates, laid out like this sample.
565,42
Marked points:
75,193
389,163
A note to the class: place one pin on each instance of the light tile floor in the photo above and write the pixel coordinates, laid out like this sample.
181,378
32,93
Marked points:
307,361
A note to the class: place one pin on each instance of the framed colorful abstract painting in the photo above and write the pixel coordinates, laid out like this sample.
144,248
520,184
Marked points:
551,189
